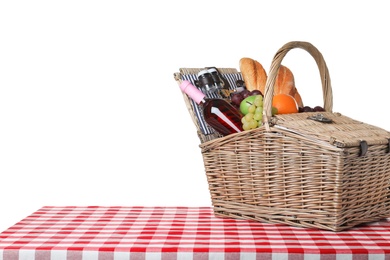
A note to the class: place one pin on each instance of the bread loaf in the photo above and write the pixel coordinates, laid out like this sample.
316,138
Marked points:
285,83
253,74
255,77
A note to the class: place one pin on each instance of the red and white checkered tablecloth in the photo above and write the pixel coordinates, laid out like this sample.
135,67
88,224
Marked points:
118,232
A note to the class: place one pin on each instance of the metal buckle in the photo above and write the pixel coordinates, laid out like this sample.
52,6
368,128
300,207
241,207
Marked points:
320,118
363,148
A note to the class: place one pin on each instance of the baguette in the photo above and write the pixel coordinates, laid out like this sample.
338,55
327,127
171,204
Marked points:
255,77
285,83
253,74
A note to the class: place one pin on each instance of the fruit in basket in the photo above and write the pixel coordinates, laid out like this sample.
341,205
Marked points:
310,109
238,97
246,104
255,92
285,104
255,77
253,108
253,117
305,109
318,109
285,83
245,93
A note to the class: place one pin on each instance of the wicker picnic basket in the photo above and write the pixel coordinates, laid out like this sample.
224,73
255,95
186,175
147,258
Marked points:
297,171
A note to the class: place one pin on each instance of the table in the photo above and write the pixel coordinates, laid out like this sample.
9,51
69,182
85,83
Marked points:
139,232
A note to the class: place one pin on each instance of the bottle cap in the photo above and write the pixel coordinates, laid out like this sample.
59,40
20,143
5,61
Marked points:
192,91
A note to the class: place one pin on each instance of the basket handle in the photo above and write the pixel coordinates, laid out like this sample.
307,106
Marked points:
276,62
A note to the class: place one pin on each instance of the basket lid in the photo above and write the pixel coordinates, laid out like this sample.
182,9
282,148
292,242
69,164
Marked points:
337,129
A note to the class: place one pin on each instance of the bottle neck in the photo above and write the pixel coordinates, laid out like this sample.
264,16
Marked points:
192,91
203,101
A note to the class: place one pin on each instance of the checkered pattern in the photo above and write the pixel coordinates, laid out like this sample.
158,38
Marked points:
104,233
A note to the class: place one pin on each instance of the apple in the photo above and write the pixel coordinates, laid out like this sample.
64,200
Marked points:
246,103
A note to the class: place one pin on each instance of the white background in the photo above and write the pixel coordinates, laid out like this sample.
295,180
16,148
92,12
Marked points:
90,113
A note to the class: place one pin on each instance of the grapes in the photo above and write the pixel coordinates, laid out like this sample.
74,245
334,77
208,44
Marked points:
310,109
236,98
252,108
274,111
258,116
254,118
258,102
253,115
245,93
249,117
246,126
253,124
318,109
256,92
259,110
307,109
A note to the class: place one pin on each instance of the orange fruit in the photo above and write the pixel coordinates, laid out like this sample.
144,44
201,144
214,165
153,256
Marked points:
285,104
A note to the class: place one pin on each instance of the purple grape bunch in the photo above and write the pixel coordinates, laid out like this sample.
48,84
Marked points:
237,97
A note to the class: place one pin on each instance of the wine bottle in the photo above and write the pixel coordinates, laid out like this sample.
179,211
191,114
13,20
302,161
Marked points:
218,113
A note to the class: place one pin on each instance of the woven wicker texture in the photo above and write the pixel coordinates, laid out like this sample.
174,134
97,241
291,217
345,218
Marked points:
298,171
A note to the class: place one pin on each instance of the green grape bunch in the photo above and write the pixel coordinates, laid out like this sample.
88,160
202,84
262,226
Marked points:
252,110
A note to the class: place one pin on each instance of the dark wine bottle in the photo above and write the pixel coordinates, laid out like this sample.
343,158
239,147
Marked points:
218,113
